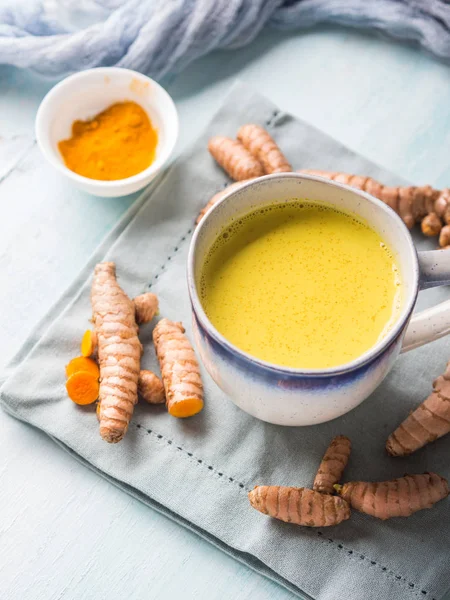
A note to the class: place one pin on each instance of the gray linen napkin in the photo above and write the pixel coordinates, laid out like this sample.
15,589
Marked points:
198,471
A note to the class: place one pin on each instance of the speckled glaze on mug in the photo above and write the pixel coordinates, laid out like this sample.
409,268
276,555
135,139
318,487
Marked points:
287,396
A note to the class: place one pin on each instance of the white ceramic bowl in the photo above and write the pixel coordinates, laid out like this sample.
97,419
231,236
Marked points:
84,95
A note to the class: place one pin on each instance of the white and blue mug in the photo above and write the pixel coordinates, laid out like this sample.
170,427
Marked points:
287,396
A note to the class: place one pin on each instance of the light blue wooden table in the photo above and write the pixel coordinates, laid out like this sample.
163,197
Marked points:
65,533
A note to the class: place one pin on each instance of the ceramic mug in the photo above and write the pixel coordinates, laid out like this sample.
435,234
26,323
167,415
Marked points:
288,396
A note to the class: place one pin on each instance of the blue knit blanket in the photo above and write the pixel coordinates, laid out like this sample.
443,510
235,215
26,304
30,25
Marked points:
56,37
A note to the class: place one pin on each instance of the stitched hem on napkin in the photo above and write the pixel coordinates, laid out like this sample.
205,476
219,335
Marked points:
224,518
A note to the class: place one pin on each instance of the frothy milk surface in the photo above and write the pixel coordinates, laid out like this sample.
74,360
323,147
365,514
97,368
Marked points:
302,285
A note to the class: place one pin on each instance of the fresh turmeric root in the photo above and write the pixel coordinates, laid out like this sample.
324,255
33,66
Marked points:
263,147
444,236
119,352
430,420
421,204
234,158
333,464
151,388
300,506
431,225
217,197
81,363
83,387
412,204
146,307
442,205
179,368
396,498
88,343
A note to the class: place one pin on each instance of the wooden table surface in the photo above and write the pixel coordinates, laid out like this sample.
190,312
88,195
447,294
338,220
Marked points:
65,533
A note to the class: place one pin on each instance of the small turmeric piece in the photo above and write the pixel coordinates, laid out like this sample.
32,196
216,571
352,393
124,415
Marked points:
234,158
88,343
83,387
146,307
430,420
411,203
442,204
300,506
431,225
82,363
151,388
396,498
333,464
179,369
119,352
444,236
263,147
217,197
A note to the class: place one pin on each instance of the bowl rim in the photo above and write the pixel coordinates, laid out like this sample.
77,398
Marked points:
367,357
42,133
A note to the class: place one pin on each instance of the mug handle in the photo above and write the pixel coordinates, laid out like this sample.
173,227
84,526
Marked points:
432,323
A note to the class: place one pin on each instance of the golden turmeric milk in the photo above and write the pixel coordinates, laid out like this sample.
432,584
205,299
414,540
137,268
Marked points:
117,143
301,285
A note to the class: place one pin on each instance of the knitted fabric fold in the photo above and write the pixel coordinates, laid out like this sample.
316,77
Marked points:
159,37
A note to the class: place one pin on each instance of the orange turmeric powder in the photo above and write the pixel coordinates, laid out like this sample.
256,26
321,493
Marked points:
117,143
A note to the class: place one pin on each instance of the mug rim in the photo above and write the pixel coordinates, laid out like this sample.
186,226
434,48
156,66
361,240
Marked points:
372,353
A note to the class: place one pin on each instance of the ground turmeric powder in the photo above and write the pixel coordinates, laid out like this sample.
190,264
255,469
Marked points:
117,143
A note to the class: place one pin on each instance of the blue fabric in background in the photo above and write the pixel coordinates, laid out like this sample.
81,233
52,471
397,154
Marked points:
56,37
